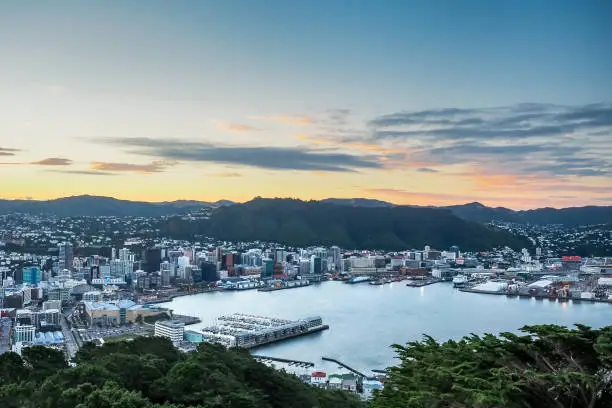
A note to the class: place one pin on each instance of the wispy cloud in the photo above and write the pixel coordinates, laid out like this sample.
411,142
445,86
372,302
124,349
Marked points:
516,122
6,151
529,138
84,172
237,127
293,120
275,158
153,167
53,161
228,174
426,170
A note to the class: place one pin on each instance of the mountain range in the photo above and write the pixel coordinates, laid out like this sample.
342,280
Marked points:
105,206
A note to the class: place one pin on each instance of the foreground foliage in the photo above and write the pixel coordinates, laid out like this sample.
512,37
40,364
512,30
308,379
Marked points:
549,366
150,372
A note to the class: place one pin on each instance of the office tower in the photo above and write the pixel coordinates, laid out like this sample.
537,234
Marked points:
167,270
125,255
337,258
66,256
268,269
316,266
151,259
32,275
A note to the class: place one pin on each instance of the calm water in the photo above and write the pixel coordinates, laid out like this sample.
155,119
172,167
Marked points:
364,319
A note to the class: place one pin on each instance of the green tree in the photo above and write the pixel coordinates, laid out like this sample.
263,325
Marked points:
44,361
549,366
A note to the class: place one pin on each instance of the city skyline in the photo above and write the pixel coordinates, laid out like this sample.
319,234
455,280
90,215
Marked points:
505,104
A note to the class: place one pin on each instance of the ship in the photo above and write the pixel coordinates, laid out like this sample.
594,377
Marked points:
358,279
459,281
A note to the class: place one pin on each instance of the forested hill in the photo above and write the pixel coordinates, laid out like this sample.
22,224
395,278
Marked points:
301,223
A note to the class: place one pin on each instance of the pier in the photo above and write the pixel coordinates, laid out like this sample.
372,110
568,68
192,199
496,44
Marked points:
306,364
351,369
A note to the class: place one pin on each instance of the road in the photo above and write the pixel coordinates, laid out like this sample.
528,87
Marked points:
69,337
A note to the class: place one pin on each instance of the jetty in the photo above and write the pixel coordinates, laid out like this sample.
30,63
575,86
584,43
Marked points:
341,364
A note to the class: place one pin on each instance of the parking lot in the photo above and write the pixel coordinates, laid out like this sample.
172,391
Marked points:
109,332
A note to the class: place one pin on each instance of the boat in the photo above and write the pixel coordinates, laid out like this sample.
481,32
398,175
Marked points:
459,281
358,279
377,282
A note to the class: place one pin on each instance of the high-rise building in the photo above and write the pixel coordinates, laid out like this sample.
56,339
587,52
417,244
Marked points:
316,266
151,259
167,270
125,255
66,256
32,275
337,258
209,272
267,271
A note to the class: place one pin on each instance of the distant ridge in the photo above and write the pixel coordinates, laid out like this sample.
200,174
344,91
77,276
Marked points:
87,205
304,223
358,202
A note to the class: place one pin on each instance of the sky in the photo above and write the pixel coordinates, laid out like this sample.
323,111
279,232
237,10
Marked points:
508,103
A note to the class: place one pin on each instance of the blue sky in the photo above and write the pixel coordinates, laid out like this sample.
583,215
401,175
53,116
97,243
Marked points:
241,74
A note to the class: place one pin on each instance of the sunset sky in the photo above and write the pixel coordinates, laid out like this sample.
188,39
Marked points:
415,102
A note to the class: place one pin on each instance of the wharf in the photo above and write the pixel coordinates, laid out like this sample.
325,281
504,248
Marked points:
421,283
289,336
537,297
285,286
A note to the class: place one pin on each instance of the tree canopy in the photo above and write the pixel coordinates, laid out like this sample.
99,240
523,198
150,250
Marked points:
547,366
151,373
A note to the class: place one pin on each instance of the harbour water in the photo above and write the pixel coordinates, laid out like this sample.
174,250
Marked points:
366,319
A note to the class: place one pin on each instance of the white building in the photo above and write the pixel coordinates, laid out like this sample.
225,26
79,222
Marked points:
24,333
172,329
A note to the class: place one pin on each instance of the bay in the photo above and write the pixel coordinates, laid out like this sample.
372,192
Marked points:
365,320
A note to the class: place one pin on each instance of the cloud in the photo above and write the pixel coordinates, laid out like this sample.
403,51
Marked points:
237,127
518,122
153,167
338,117
5,151
293,120
228,174
528,138
274,158
84,172
426,170
53,161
